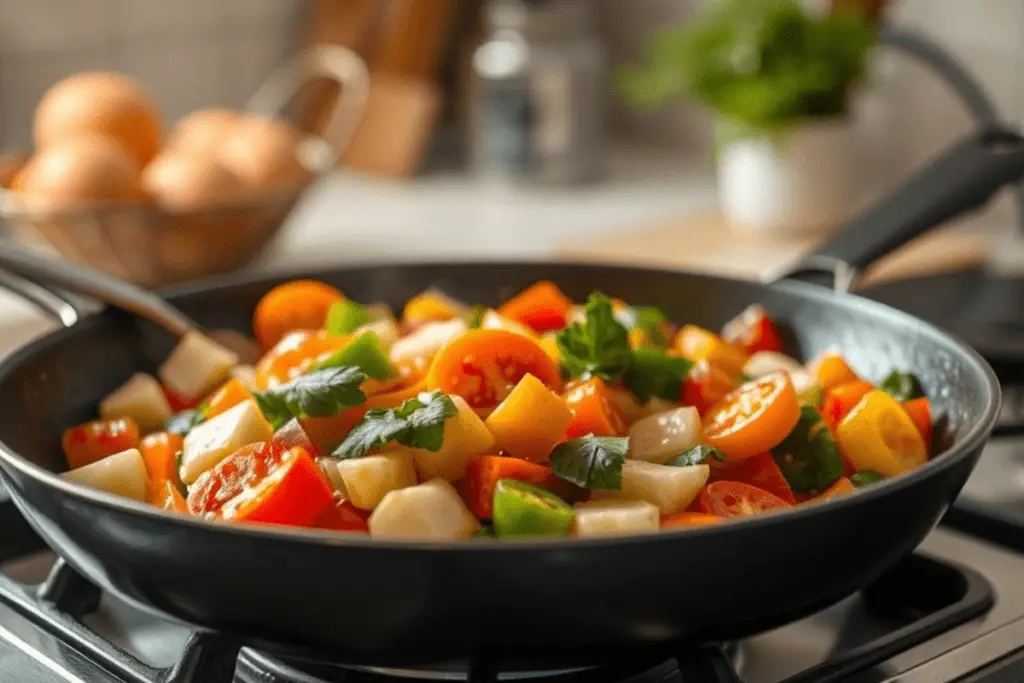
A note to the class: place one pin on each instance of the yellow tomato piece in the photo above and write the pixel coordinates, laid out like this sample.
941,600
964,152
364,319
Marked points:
430,307
698,344
832,370
879,435
549,342
530,421
228,396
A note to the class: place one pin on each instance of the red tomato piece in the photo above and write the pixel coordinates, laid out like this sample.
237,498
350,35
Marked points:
166,496
541,306
760,470
292,435
734,498
92,441
594,410
263,483
753,418
840,400
705,386
483,366
753,330
343,516
180,402
484,471
920,411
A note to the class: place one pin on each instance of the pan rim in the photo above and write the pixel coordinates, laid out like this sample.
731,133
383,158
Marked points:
974,438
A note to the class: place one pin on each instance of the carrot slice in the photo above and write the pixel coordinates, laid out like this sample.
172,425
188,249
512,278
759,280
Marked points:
296,305
160,453
841,487
832,370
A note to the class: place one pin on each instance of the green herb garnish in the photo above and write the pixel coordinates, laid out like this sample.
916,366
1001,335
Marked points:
320,393
655,373
345,317
904,386
598,346
365,352
184,422
698,455
646,319
865,478
476,316
417,423
592,462
809,457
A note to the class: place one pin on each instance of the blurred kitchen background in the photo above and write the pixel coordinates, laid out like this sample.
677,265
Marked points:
640,186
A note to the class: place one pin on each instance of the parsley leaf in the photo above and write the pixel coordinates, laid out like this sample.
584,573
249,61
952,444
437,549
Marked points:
655,373
809,457
646,319
865,478
698,455
598,346
593,462
320,393
182,423
345,317
476,316
365,352
417,423
903,386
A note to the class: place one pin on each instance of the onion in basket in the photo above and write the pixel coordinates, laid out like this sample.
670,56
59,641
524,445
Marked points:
89,168
187,180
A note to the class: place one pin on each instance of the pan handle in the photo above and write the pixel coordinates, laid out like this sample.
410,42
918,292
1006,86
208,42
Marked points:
55,303
961,179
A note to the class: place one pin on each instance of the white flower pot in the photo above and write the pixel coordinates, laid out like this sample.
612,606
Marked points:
801,181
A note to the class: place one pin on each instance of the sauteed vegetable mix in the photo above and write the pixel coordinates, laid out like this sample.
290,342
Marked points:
543,417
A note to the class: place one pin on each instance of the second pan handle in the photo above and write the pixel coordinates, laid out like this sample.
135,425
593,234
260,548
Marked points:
961,179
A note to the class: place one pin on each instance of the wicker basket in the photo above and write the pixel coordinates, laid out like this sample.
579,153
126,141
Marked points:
151,247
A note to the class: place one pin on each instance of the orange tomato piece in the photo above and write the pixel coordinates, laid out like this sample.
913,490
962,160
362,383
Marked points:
160,453
920,411
483,366
690,519
831,370
840,400
697,344
753,331
228,396
734,498
429,307
594,410
841,487
179,402
165,495
294,354
705,386
754,418
542,306
760,470
296,305
343,516
92,441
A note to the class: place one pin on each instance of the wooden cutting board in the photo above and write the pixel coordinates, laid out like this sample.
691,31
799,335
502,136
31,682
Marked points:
705,243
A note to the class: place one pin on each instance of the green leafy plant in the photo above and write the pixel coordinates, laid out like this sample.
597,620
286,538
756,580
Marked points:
761,65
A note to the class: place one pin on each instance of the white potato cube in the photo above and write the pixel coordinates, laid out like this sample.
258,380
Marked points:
246,374
432,511
123,473
427,340
766,362
370,478
220,436
197,366
329,466
615,517
670,488
464,436
661,437
140,399
492,320
386,330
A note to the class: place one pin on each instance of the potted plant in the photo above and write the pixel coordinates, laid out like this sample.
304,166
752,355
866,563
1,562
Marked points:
778,81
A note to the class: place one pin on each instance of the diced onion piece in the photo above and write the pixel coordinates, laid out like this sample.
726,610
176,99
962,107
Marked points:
661,437
530,421
220,436
329,466
808,390
140,399
464,436
123,473
246,374
197,365
386,330
766,362
370,478
427,340
432,511
671,489
492,320
615,517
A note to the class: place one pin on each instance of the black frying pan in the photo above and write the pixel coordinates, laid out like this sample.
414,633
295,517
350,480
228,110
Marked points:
531,603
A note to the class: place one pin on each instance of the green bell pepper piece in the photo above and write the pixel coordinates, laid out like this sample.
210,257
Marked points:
365,352
345,317
865,478
903,386
521,509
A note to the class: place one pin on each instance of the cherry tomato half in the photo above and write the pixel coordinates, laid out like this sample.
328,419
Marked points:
92,441
294,354
705,386
753,330
296,305
594,410
760,470
698,344
483,366
734,498
754,418
689,519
